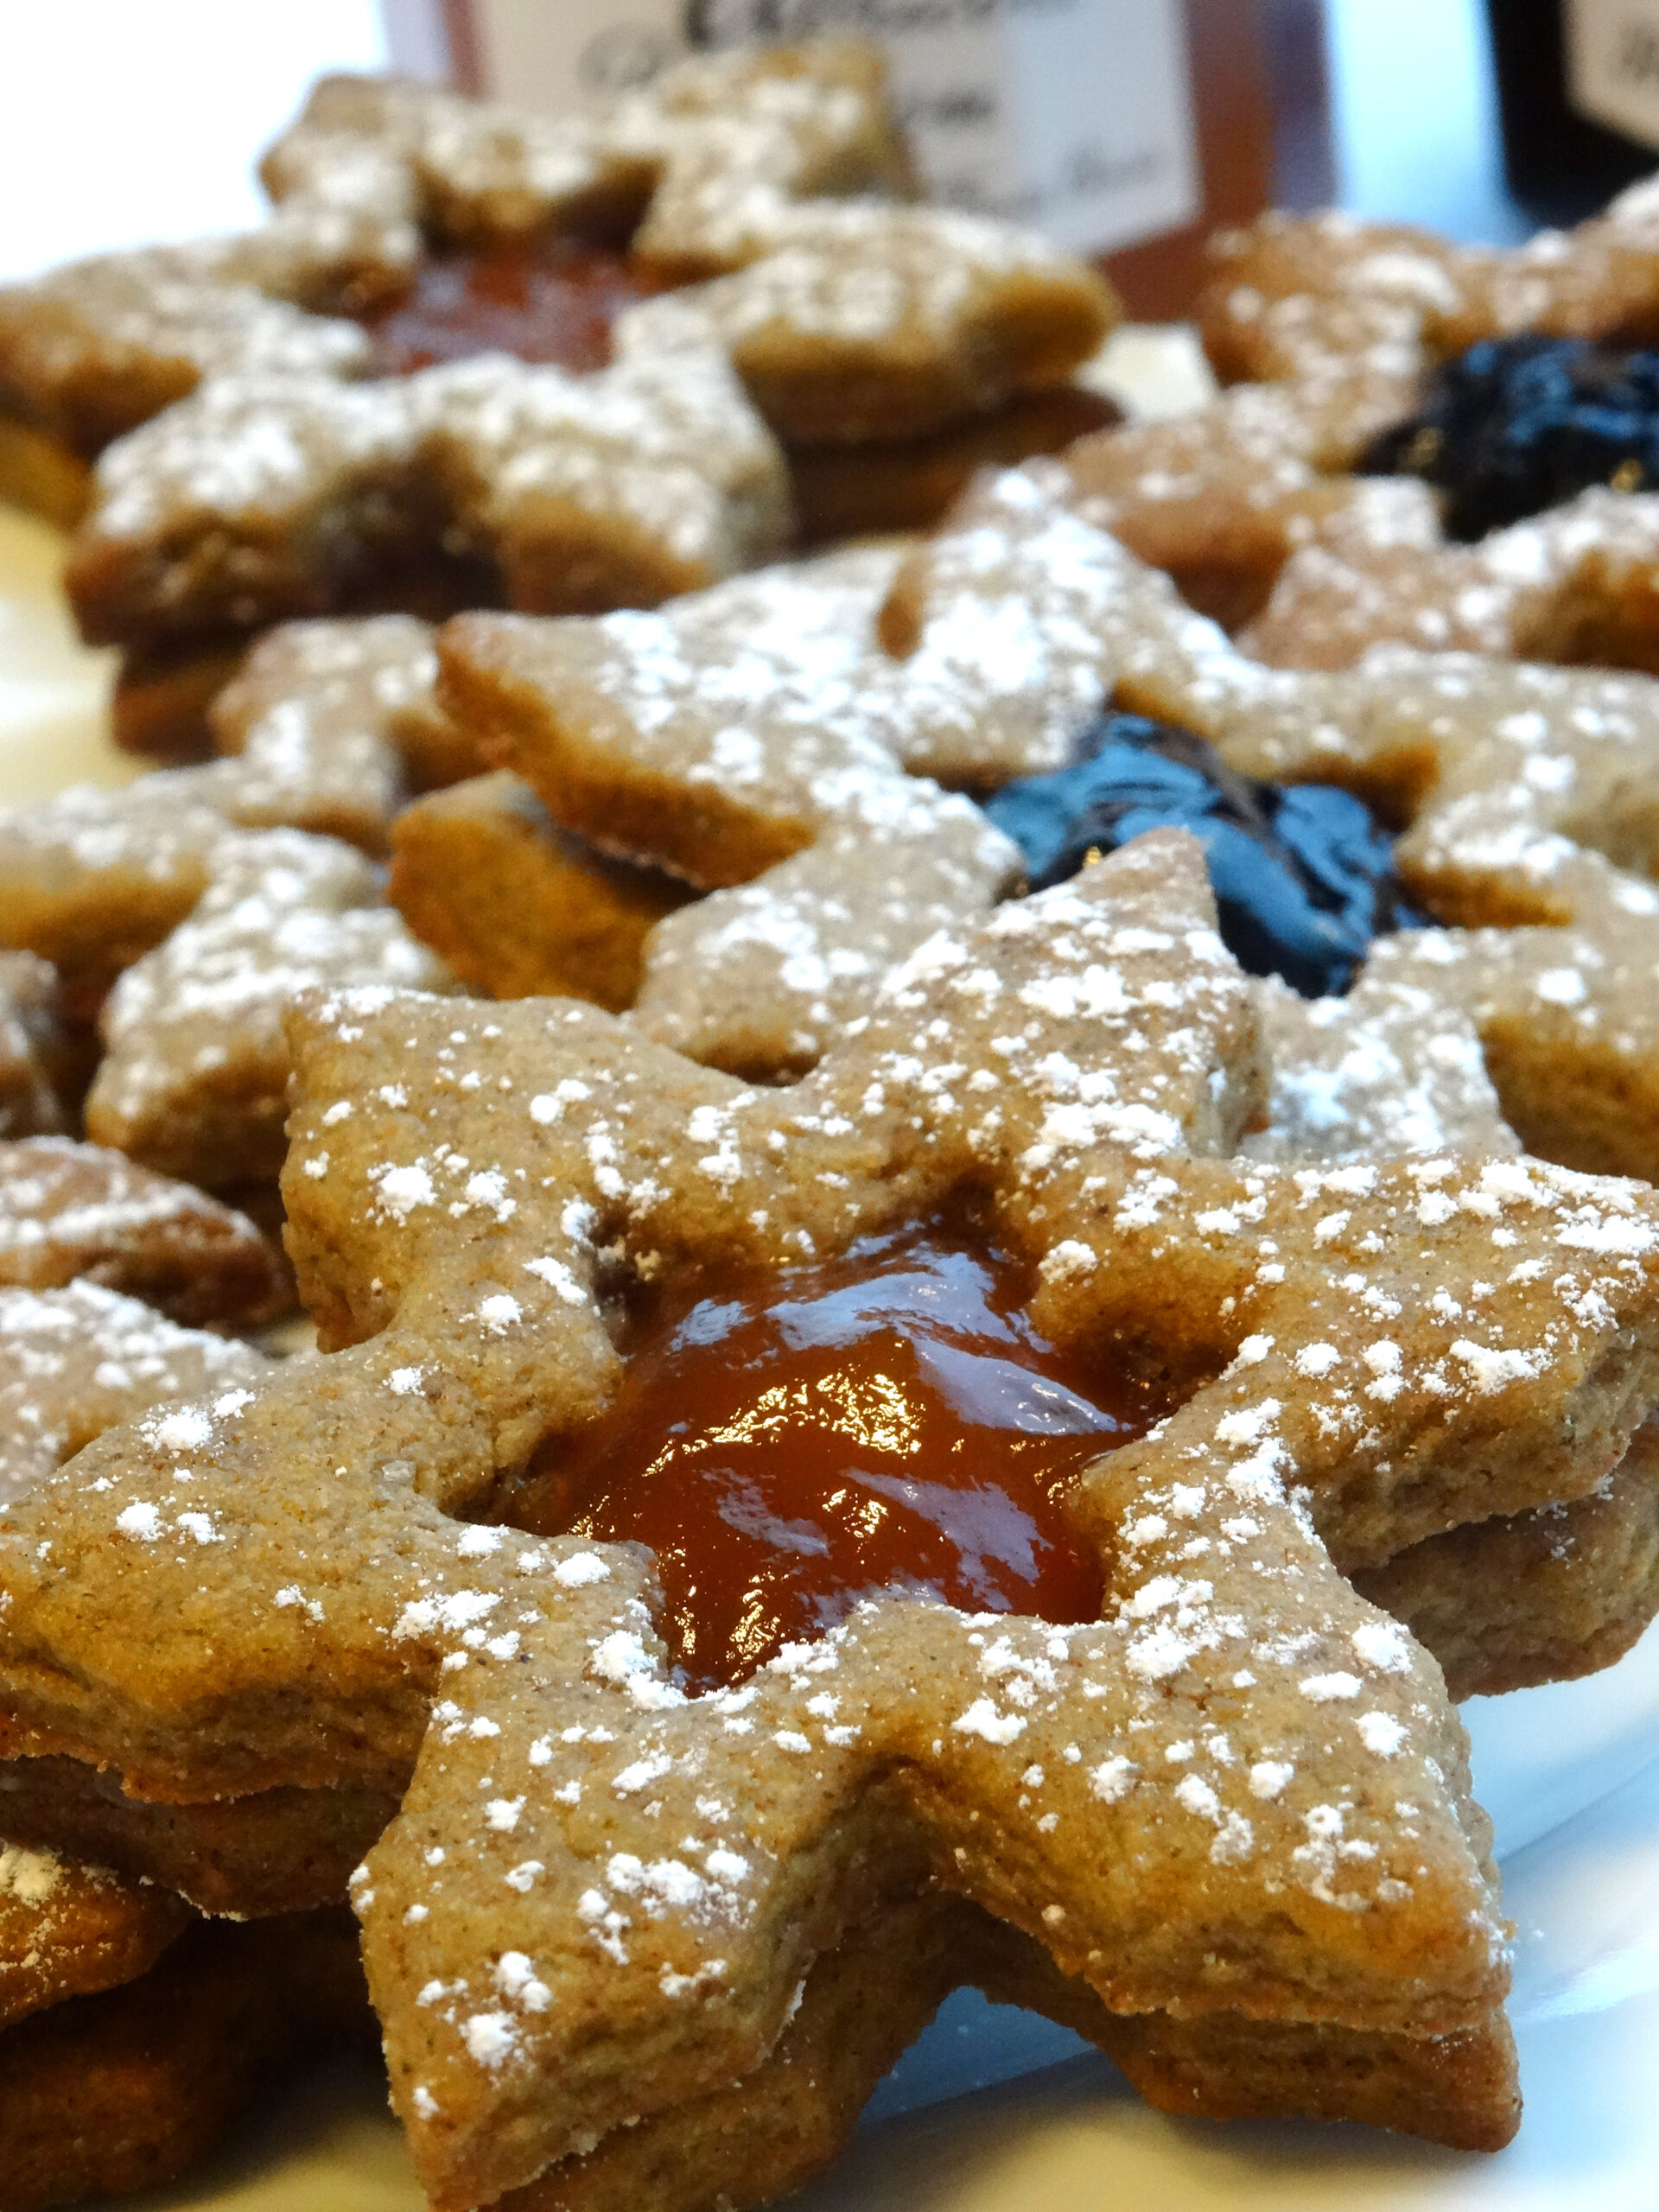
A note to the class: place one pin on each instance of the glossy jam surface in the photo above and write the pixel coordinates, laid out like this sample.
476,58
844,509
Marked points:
552,302
789,1442
1303,879
1515,425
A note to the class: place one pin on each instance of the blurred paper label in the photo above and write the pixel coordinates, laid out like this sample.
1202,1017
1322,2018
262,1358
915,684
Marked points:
1612,64
573,53
1072,116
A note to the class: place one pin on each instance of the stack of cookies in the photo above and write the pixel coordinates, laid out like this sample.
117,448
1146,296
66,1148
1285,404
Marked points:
973,1212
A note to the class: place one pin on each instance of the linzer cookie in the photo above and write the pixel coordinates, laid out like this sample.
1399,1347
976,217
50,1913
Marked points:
862,318
258,500
630,727
1516,782
1006,1179
1506,768
1312,569
472,1188
1416,443
291,463
702,167
1395,1067
625,1924
1517,777
1446,446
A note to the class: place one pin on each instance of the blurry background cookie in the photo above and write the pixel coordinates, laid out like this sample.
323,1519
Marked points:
763,184
1438,445
79,1212
134,2086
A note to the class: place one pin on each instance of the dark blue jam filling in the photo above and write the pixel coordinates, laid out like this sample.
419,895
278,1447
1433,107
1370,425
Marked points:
1515,425
1303,877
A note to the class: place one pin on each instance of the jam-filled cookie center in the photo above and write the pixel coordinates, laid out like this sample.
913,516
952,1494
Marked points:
788,1444
1517,425
1304,878
553,302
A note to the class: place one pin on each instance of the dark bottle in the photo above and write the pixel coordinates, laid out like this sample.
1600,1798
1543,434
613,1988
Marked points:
1578,86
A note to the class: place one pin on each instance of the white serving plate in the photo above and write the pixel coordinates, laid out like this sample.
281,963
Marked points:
994,2110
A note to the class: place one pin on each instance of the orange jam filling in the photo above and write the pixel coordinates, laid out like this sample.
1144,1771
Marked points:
554,302
790,1443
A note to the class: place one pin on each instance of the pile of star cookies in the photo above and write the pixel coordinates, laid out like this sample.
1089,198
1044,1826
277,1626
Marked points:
971,1240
